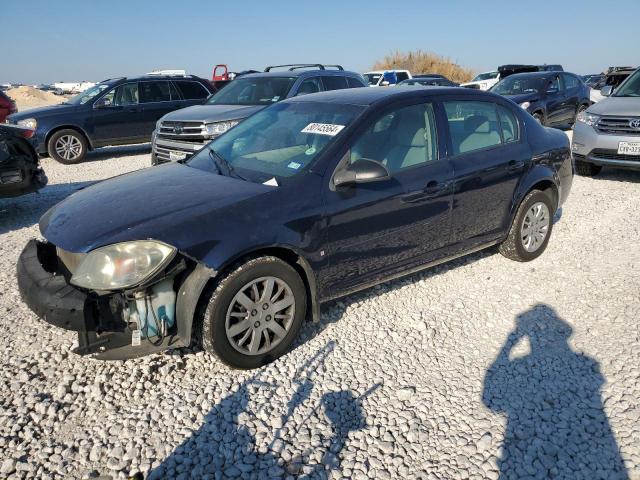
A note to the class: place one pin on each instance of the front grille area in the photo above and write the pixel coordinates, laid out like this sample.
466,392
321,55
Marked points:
617,126
182,131
612,155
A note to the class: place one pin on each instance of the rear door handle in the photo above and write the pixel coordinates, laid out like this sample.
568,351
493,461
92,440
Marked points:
515,165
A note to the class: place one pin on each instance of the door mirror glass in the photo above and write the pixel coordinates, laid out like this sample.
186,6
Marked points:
363,170
552,90
606,91
104,102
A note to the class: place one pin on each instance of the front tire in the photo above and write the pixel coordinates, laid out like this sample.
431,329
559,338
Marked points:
67,146
587,169
255,312
531,228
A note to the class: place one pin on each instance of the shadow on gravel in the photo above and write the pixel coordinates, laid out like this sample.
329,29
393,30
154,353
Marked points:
225,445
106,153
556,424
25,211
618,175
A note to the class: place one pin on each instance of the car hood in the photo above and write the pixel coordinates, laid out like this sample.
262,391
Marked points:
172,203
43,112
624,106
212,113
523,97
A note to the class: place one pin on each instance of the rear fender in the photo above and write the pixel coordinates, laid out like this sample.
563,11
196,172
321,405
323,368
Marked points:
540,176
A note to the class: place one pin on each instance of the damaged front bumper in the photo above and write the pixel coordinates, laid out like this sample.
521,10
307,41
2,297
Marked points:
20,177
102,321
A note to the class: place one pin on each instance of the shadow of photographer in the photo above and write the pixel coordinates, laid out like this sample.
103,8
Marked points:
230,444
556,424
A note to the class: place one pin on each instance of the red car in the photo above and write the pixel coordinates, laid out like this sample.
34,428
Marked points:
7,107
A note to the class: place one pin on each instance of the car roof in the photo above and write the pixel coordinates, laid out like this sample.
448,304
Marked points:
301,73
151,77
366,96
535,74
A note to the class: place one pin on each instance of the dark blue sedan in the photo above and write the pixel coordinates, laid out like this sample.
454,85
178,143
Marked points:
307,200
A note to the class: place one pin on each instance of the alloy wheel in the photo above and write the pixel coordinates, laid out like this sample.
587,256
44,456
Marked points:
260,315
535,226
68,147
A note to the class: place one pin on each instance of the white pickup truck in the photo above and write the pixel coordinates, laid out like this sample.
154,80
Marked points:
483,81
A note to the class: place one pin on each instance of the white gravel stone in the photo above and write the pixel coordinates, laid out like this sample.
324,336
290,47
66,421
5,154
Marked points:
402,393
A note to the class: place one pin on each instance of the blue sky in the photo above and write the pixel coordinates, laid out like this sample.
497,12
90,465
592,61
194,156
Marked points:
54,40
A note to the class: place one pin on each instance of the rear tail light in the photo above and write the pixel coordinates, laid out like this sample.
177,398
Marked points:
27,132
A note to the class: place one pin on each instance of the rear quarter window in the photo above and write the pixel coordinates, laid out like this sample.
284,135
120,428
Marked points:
191,90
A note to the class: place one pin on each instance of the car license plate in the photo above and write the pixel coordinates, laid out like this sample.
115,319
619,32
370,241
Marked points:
175,156
629,148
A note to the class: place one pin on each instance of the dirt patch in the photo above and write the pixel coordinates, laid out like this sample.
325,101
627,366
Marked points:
29,97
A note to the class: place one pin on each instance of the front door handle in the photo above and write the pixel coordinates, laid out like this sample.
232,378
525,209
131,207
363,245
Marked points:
515,165
432,189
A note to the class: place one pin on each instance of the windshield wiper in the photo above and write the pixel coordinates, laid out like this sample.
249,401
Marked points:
220,160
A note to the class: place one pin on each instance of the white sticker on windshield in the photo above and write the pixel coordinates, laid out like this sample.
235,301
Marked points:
294,165
272,182
323,129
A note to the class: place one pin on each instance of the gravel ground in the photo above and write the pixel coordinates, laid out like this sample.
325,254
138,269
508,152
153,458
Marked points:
467,370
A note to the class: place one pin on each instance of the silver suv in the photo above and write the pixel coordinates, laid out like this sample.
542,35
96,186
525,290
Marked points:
181,133
608,132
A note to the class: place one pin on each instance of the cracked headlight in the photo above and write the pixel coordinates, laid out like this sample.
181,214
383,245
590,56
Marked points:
215,129
588,118
122,265
28,122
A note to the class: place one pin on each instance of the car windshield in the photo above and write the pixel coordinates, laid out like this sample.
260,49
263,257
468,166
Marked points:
88,94
253,91
372,78
631,86
280,141
517,85
485,76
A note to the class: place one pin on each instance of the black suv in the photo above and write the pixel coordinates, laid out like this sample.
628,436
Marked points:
117,111
553,98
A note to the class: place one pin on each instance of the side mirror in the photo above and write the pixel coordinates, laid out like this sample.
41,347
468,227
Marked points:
103,103
361,171
384,83
552,90
606,91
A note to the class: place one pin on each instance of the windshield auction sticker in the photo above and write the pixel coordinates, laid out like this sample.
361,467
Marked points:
323,129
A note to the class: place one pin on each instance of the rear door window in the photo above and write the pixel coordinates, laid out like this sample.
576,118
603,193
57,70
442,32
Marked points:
310,85
472,126
191,90
402,76
334,82
354,83
157,91
570,81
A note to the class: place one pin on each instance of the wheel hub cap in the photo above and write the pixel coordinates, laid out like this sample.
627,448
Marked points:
260,315
68,147
535,227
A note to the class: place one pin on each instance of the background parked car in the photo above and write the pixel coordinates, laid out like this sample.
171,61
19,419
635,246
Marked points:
117,111
282,214
20,172
7,107
384,78
183,132
553,98
483,81
614,77
608,132
428,82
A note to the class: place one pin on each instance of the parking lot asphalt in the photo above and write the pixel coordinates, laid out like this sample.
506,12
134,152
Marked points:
471,369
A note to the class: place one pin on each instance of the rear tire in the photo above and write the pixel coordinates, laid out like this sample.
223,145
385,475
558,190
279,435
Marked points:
531,228
245,312
587,169
67,146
